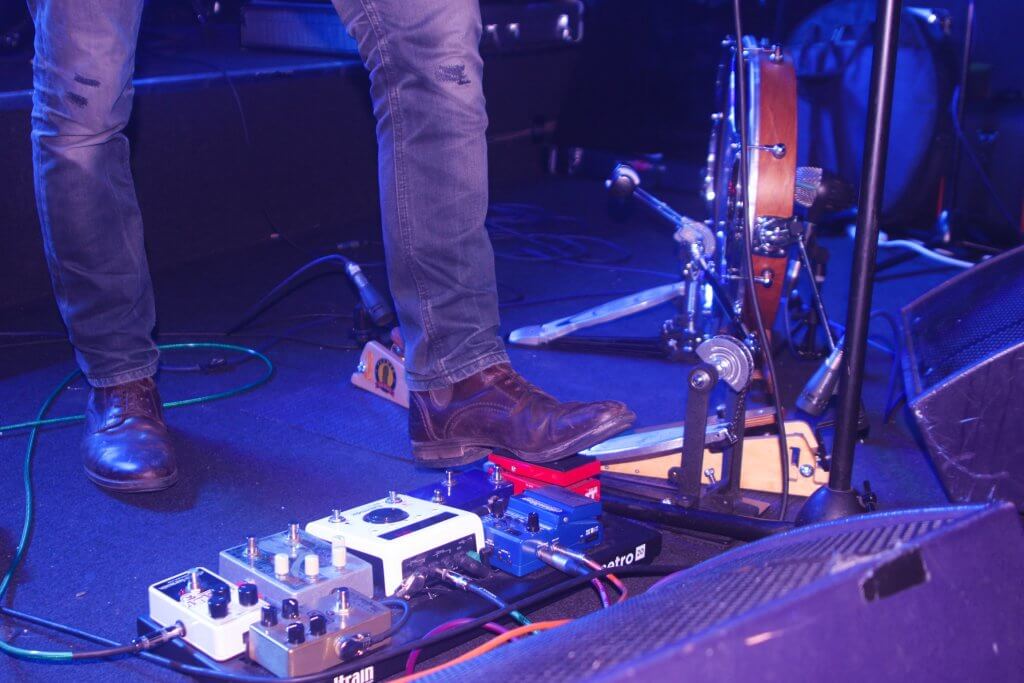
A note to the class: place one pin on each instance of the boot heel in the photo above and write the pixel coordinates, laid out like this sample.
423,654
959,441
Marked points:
442,454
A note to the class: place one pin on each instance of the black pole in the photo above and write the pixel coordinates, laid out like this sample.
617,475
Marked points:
839,499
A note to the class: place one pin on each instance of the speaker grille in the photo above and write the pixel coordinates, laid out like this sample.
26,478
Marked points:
970,318
703,597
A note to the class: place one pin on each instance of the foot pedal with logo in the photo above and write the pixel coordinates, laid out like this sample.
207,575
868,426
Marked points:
577,473
381,371
541,517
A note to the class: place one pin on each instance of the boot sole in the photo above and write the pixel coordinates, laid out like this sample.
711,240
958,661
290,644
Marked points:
456,452
146,486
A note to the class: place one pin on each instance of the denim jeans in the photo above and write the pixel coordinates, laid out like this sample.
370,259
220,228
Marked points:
426,86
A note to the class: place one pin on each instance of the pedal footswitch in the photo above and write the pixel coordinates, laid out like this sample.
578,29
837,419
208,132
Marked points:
216,613
296,564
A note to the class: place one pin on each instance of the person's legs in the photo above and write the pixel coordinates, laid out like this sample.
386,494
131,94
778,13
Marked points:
92,230
426,83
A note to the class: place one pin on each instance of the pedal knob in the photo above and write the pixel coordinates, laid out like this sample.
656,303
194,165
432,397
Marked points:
222,591
296,633
268,616
533,522
290,608
218,605
248,594
317,624
311,565
282,564
339,552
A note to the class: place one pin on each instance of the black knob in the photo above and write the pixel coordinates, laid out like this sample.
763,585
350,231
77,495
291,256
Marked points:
290,608
296,633
223,591
268,617
248,595
218,606
317,624
533,522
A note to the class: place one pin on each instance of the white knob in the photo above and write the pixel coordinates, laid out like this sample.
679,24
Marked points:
339,552
311,564
282,564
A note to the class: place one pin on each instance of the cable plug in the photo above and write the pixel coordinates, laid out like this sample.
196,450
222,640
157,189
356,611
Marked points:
453,578
559,559
159,637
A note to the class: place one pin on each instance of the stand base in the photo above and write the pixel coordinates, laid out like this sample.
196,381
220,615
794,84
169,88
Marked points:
827,504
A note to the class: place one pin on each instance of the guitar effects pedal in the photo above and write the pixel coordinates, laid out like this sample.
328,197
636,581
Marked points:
296,564
474,490
216,613
541,517
299,640
403,537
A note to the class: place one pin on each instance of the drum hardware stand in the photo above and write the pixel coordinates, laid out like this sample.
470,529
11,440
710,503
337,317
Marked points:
839,499
698,289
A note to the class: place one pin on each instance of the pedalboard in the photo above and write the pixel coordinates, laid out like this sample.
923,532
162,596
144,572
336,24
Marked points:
296,640
474,490
404,538
216,614
538,518
296,564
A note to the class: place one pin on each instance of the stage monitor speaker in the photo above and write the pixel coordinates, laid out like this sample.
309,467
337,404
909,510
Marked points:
963,364
916,595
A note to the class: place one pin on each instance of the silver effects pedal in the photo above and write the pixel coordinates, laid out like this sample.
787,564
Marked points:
295,641
296,564
216,614
403,537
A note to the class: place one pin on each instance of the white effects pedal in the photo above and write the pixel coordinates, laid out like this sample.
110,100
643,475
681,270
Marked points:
400,536
216,614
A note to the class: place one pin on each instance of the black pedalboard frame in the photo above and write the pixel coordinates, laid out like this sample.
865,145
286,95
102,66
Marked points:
626,542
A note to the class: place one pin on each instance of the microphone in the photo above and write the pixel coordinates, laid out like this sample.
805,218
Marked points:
822,386
822,192
375,304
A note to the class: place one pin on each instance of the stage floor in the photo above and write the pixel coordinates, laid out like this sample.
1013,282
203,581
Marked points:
308,441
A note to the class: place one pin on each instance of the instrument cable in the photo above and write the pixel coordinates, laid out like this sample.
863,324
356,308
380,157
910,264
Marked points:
115,649
370,659
766,353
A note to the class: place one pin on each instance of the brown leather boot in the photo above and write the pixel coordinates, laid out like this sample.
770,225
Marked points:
498,409
127,447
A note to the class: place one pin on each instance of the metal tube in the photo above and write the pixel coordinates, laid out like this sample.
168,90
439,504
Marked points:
883,69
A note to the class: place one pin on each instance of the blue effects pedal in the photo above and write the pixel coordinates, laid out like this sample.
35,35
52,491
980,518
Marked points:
475,490
537,518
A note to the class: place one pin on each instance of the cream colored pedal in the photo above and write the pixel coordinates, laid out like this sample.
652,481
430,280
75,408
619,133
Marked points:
381,371
760,463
